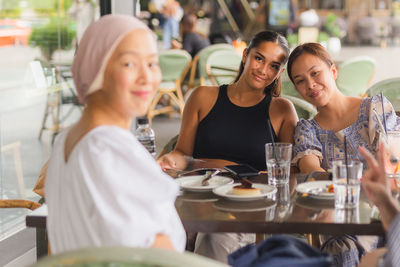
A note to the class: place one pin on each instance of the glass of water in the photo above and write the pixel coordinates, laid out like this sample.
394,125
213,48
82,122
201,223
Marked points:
278,157
346,182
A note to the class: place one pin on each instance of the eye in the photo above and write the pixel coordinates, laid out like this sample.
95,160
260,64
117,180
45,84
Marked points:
314,73
129,64
276,67
298,81
153,64
258,58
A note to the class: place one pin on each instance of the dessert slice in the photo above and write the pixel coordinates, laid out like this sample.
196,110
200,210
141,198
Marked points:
246,189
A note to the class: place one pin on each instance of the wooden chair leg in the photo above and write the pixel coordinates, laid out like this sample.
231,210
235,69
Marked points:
260,238
153,104
313,240
46,114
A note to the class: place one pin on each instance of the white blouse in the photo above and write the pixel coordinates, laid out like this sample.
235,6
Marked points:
111,192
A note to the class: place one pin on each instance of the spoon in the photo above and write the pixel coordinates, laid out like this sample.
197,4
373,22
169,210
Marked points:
208,176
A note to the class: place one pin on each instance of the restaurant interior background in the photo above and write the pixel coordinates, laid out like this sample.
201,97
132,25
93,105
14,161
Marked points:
38,40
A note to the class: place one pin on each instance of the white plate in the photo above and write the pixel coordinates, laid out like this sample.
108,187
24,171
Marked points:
226,191
190,196
310,187
193,183
247,206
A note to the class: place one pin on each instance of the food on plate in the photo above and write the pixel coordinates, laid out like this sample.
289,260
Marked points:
330,188
246,189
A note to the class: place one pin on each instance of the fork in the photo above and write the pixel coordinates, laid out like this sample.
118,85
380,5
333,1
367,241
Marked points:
208,176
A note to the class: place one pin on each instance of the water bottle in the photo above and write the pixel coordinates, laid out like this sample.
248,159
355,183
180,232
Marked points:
146,136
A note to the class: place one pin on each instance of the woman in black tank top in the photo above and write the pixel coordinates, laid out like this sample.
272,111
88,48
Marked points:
229,125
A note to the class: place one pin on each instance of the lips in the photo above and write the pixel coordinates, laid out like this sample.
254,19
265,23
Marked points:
142,94
258,78
315,94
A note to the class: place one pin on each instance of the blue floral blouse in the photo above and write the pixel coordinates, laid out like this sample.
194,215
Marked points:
328,145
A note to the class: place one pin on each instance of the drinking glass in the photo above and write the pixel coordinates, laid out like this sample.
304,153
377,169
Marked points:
278,157
346,182
282,198
347,215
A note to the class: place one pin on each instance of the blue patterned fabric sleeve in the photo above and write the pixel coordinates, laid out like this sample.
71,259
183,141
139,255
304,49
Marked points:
392,257
306,141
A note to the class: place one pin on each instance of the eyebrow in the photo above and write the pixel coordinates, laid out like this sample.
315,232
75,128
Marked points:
313,66
135,54
261,55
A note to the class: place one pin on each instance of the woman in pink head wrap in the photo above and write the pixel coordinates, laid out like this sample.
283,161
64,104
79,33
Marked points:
103,188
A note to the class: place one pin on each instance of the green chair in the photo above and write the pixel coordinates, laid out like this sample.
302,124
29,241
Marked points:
126,257
304,109
390,89
199,64
222,66
174,65
355,74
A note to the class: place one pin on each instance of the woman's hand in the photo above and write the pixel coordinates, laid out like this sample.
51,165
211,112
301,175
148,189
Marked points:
168,161
175,160
376,186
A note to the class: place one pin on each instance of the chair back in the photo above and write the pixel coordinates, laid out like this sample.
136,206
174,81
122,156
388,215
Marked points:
222,66
174,64
355,74
124,256
304,109
200,61
390,89
288,87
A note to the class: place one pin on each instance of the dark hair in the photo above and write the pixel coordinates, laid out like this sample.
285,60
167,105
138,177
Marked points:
314,49
188,22
274,37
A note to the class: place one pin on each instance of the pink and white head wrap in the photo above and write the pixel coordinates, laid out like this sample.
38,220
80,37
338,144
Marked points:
96,47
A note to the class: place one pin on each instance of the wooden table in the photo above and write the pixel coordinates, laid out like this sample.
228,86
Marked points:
286,212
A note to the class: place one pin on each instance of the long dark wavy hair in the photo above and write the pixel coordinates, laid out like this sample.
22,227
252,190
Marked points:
268,36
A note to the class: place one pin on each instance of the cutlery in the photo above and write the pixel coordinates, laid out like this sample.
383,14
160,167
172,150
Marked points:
180,173
315,191
208,176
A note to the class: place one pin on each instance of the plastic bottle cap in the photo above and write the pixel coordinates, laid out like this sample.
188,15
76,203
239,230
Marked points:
144,120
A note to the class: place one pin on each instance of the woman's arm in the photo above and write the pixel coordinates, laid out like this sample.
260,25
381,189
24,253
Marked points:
310,163
162,241
196,108
284,119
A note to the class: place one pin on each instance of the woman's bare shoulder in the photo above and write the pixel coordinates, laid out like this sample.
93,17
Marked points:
202,100
205,91
203,94
281,104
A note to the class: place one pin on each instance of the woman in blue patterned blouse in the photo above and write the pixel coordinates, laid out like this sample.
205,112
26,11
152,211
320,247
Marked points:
319,141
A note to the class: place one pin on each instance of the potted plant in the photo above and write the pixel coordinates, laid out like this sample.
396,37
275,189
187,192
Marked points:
293,39
335,33
46,37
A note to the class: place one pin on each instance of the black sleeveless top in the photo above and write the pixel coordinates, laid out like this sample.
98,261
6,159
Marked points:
234,133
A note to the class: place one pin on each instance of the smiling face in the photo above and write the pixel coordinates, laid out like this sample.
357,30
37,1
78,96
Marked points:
262,64
314,79
132,74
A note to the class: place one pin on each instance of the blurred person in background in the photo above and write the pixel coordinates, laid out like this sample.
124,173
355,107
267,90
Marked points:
172,13
83,11
192,41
